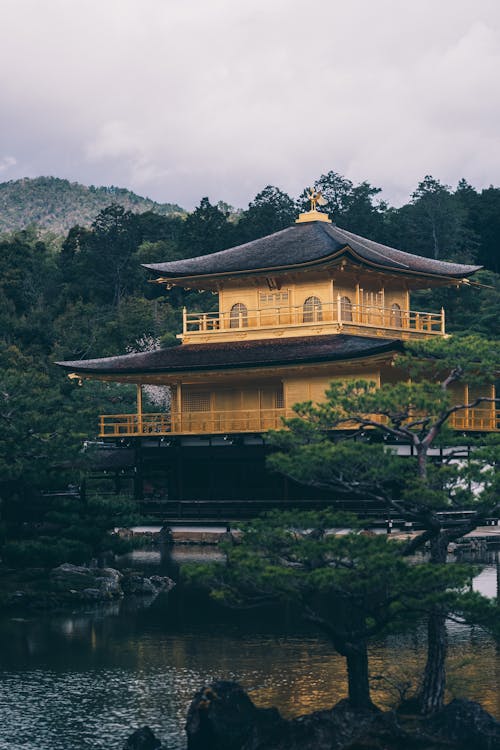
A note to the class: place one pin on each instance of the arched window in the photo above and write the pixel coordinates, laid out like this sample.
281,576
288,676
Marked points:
345,309
312,312
396,317
238,317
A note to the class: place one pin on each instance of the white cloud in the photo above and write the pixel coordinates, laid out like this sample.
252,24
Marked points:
6,162
181,99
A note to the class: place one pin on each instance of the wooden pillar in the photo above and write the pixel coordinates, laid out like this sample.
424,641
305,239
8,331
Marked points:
139,408
493,425
179,469
467,414
138,474
178,392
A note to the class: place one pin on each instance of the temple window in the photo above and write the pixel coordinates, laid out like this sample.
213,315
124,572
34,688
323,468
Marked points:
238,317
279,397
312,310
195,401
396,317
274,298
345,309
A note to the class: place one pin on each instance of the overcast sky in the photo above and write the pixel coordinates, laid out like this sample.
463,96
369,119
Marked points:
177,99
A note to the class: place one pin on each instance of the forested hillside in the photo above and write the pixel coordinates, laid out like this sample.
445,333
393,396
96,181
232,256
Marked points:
91,298
57,205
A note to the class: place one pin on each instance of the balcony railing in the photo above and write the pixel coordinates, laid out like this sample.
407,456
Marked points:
192,423
485,418
338,313
211,423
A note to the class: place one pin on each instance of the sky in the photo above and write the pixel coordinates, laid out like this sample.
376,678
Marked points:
178,99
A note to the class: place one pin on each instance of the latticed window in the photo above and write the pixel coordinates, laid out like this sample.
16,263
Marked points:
195,401
312,310
273,298
345,309
238,317
396,317
279,397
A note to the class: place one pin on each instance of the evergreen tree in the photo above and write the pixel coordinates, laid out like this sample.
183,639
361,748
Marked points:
206,230
270,211
353,586
416,413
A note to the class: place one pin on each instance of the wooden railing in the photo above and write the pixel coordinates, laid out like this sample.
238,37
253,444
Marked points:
192,423
254,421
485,418
339,312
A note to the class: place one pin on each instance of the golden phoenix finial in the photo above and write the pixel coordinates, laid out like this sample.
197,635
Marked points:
316,198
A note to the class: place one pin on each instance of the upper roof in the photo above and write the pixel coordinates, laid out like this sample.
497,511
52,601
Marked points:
236,354
309,243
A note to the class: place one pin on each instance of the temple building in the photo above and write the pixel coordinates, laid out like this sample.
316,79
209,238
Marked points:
296,310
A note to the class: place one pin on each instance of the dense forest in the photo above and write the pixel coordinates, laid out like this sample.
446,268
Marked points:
56,205
88,296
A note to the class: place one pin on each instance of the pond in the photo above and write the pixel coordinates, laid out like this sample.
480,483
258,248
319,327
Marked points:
85,679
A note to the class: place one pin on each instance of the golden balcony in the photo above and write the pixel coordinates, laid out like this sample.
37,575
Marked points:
485,419
192,423
315,317
481,419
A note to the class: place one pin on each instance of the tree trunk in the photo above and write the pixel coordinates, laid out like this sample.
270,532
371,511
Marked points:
434,681
357,676
422,462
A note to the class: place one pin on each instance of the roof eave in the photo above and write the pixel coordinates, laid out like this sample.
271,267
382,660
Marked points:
380,349
164,278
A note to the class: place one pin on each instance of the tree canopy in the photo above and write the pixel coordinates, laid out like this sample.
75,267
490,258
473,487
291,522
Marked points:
415,413
354,586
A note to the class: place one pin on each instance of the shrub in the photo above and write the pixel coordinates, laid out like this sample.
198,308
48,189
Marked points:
45,552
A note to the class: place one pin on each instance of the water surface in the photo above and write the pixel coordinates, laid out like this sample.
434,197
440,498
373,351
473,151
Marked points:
85,679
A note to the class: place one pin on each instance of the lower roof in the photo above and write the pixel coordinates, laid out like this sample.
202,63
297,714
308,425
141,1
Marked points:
237,354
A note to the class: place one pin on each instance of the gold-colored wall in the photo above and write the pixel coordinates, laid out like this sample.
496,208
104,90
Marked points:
323,286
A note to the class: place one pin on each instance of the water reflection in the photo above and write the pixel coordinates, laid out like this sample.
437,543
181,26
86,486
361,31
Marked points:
85,678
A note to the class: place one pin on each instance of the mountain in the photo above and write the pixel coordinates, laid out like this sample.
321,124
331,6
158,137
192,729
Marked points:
56,205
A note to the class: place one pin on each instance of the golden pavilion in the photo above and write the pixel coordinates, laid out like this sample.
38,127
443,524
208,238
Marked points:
296,309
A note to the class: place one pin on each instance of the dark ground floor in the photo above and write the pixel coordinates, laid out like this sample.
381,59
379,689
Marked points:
209,478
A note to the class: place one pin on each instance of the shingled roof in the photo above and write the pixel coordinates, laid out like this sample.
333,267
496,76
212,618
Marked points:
236,354
309,243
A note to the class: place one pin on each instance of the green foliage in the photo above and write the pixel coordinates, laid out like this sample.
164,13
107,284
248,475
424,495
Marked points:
45,552
67,530
414,412
57,205
310,559
354,586
206,230
464,357
270,211
351,206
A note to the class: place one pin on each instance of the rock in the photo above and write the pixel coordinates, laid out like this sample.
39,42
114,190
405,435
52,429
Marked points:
104,584
92,583
109,582
68,576
93,595
467,724
222,717
135,583
162,583
143,739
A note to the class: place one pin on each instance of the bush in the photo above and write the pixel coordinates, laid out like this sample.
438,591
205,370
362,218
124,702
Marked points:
45,552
